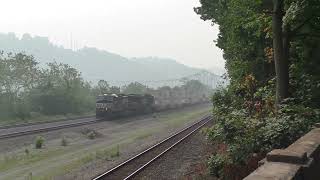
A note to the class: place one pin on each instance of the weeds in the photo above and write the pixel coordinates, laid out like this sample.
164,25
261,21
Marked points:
27,152
29,176
102,154
39,142
64,141
115,152
90,134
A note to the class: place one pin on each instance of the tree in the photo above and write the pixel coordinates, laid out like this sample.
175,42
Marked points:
103,87
300,17
272,51
135,88
281,48
19,74
264,38
61,91
243,30
114,90
195,88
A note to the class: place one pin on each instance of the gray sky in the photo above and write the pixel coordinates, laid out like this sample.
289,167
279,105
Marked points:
131,28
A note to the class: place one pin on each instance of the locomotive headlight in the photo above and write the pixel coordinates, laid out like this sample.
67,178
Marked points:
106,109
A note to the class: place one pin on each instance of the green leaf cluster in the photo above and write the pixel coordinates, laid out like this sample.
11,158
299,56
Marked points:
247,120
26,89
246,132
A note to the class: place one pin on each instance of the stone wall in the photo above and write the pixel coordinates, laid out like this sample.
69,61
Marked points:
299,161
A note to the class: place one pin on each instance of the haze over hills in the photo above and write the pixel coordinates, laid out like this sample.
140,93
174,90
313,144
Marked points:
97,64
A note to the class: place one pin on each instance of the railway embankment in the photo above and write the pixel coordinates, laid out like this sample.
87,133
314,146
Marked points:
84,157
299,161
136,165
187,160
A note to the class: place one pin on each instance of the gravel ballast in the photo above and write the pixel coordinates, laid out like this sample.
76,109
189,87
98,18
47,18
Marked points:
185,161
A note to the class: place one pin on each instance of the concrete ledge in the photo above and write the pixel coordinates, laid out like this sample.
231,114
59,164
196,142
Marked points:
262,161
274,170
299,161
310,144
287,156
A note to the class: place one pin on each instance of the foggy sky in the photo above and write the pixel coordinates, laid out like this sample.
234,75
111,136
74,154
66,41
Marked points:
131,28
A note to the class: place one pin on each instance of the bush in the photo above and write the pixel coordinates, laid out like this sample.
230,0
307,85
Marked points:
115,152
246,130
26,151
92,135
216,164
64,141
39,142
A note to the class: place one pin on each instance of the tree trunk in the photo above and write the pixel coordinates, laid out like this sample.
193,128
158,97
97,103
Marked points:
286,51
280,53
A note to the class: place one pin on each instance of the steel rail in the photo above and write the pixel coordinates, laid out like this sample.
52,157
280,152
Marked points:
204,121
46,129
44,122
76,118
39,130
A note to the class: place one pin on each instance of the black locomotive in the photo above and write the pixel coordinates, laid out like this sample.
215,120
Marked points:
110,105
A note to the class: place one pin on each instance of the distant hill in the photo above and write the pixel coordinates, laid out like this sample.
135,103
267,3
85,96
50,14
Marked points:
97,64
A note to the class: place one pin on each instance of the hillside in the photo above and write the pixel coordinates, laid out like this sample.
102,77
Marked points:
97,64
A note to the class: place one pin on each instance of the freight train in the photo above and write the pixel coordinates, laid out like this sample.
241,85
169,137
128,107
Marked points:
109,105
112,105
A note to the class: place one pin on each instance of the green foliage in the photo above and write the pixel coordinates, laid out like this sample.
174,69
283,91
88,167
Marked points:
245,111
135,88
246,34
114,90
39,142
29,176
18,75
216,164
90,134
243,31
236,126
195,87
25,88
27,152
115,152
64,88
59,89
308,91
103,87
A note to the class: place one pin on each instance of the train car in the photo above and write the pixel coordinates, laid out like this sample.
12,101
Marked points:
110,105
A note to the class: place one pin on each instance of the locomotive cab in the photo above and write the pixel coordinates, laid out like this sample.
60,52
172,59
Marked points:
105,104
109,105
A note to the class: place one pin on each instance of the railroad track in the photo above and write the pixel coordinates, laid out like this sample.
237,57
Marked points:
131,167
8,131
45,129
42,122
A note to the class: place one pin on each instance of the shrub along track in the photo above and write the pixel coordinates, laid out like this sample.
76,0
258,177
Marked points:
136,164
